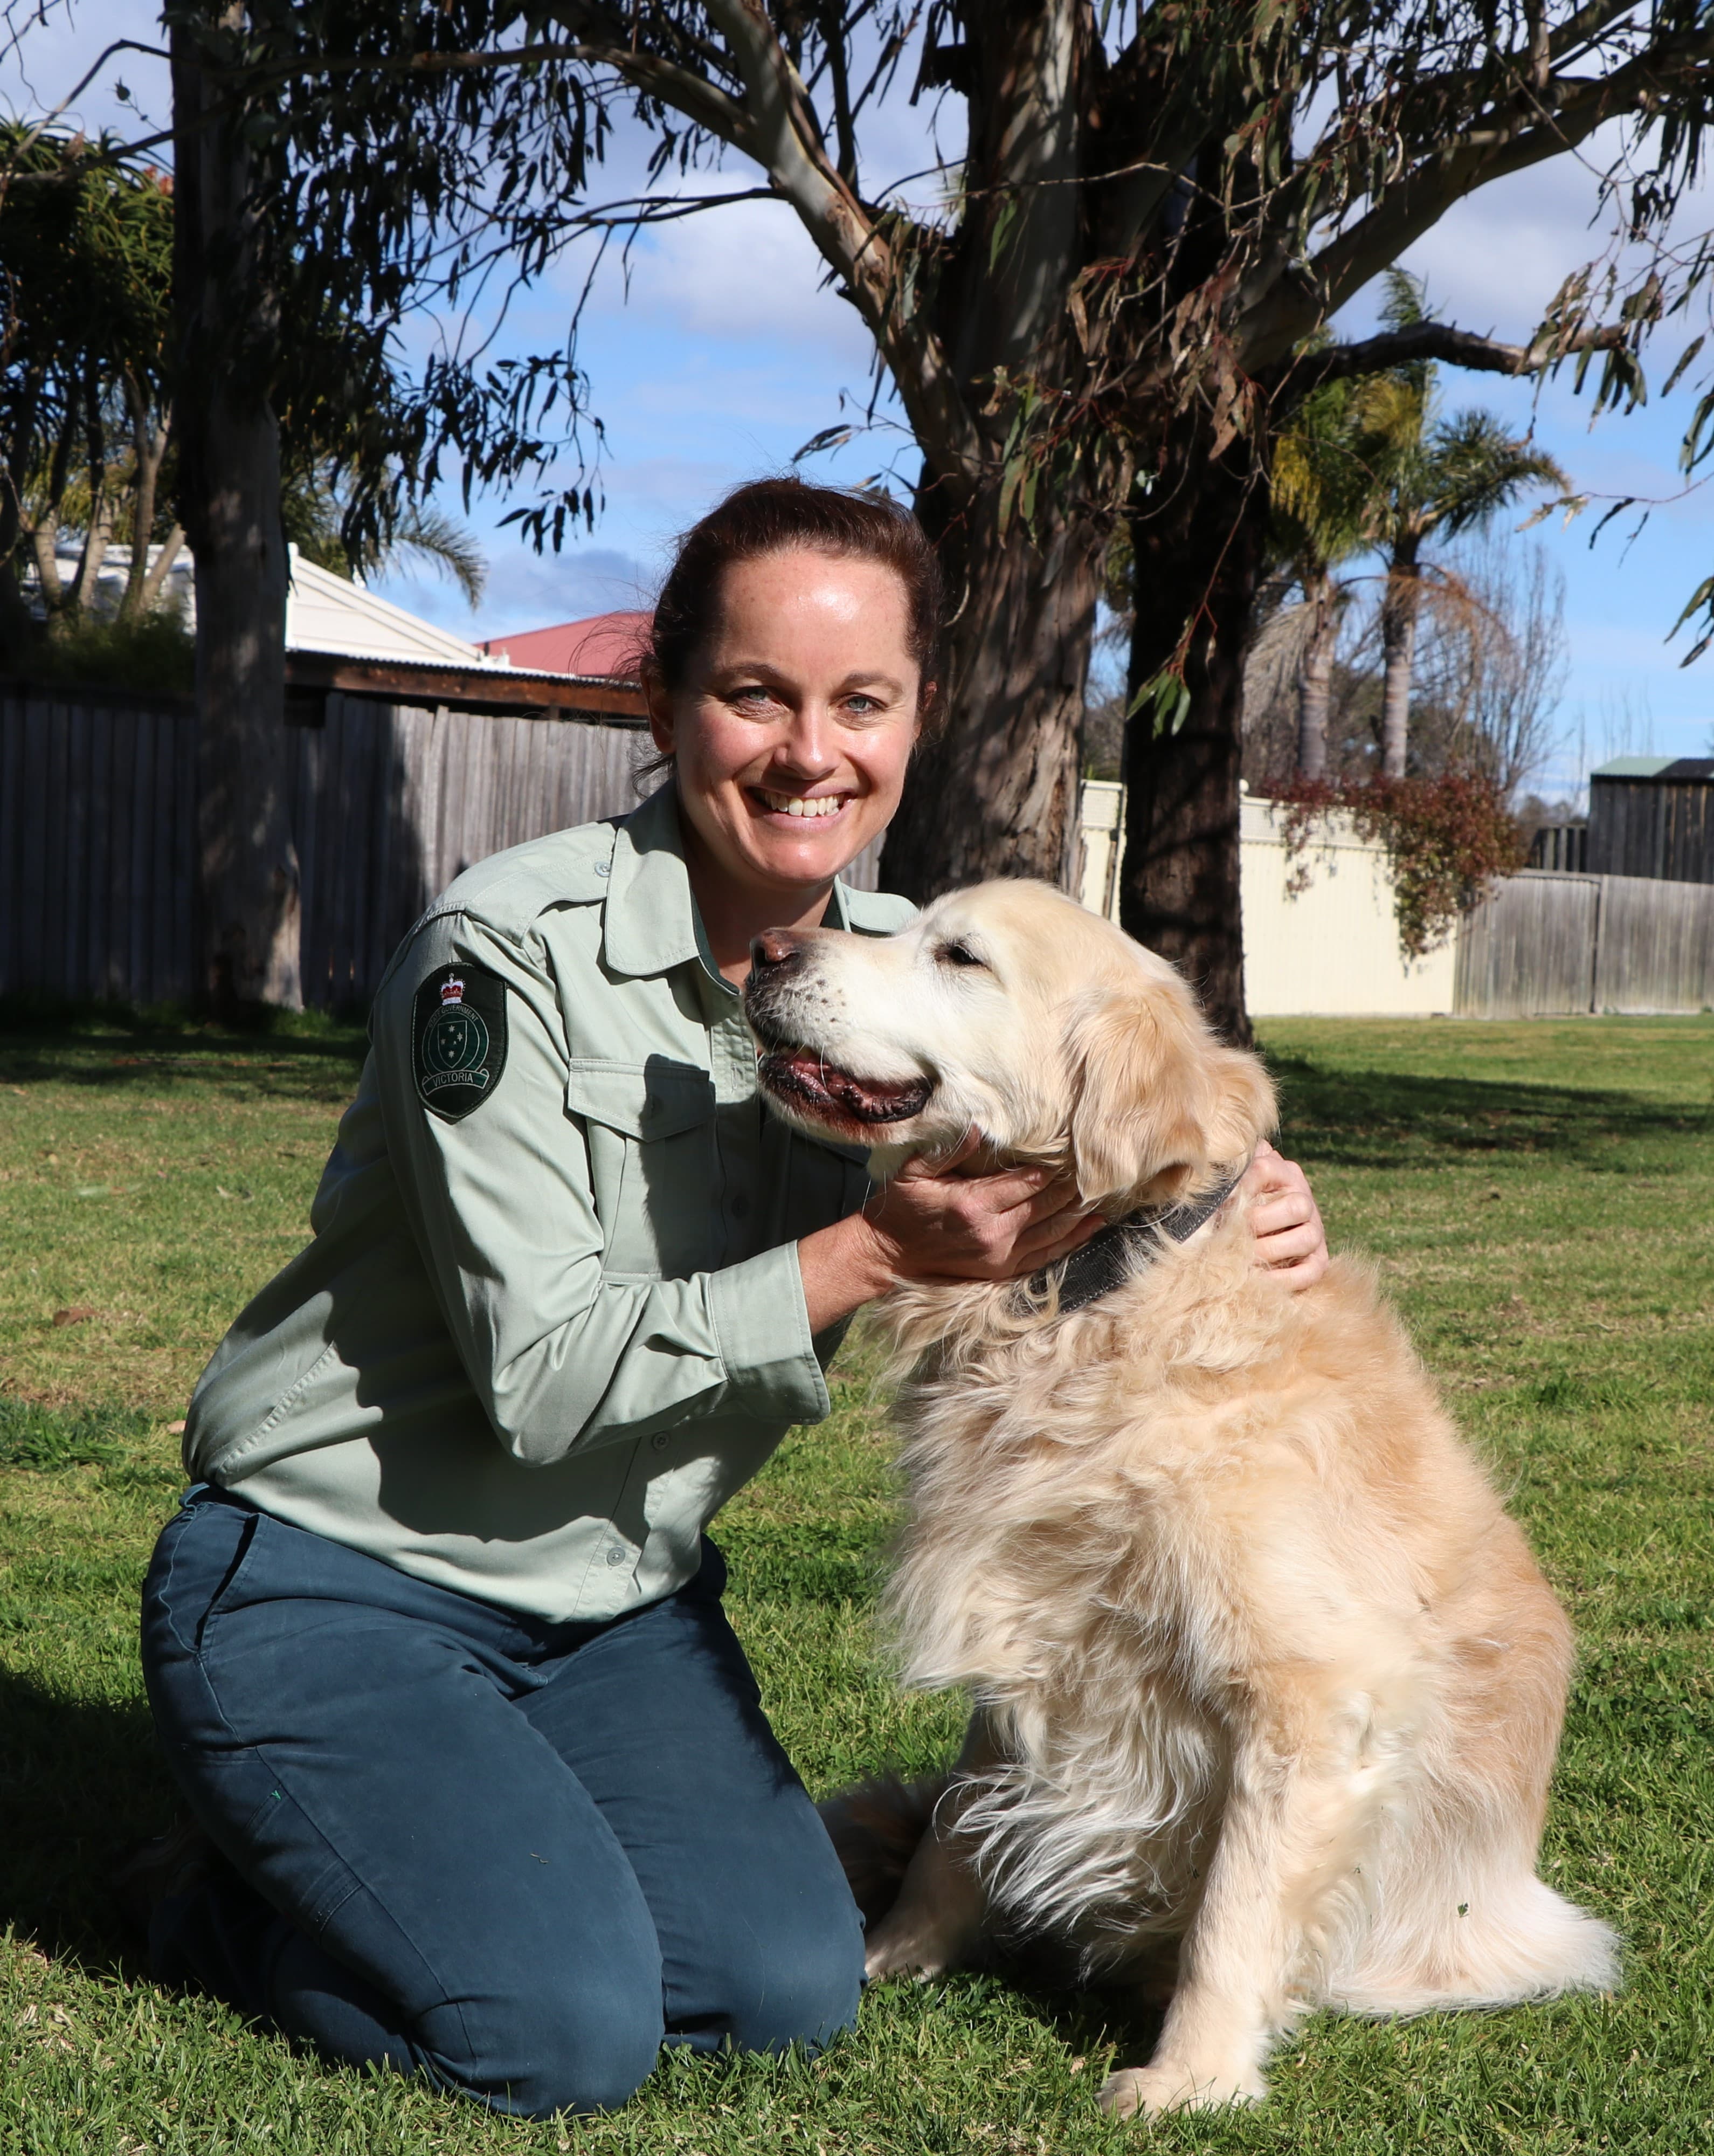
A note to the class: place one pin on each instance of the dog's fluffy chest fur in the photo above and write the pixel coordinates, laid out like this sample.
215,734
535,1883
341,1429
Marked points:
1115,1520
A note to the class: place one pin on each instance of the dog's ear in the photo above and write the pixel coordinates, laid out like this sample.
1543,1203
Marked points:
1158,1099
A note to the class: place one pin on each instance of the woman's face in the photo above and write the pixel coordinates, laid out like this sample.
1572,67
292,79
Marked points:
794,725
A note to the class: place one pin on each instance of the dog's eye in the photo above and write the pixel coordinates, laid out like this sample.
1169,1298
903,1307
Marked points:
959,954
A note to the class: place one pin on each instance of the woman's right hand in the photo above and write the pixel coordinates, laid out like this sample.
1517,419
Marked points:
932,1222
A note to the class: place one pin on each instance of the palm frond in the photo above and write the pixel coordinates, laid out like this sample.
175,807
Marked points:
447,546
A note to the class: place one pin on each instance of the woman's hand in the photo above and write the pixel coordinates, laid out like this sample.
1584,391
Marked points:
1290,1239
934,1223
931,1221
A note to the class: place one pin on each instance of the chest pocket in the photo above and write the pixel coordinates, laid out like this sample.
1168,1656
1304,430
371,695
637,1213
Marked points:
650,1128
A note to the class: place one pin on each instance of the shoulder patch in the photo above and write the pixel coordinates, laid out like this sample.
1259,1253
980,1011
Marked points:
458,1039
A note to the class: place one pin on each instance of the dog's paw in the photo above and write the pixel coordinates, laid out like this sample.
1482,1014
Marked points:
1171,2088
901,1951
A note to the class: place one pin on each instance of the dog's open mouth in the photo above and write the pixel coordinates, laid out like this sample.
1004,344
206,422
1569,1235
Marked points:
808,1081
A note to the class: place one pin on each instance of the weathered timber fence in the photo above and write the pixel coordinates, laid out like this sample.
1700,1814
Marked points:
98,847
389,802
1543,943
1659,824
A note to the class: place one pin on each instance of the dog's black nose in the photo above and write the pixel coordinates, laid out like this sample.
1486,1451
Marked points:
774,950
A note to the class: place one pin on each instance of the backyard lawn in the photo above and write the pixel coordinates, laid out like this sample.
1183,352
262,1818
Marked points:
1537,1199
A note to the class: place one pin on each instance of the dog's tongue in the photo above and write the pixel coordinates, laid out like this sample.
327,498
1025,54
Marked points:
870,1100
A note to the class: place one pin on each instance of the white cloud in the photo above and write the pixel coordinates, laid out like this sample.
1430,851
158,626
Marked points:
746,275
527,590
1495,259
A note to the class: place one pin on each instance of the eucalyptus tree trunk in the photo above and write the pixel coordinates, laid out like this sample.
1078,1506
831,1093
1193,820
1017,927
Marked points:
1314,674
996,792
993,791
1200,557
229,479
1400,613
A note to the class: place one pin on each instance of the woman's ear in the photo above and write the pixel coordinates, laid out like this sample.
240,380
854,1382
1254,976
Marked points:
661,707
1158,1099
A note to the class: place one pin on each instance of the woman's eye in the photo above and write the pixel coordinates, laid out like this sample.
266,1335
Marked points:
756,693
959,954
863,707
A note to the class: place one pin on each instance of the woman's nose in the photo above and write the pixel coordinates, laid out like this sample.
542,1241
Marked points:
809,751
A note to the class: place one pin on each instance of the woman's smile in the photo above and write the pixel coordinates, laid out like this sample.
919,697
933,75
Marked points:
818,807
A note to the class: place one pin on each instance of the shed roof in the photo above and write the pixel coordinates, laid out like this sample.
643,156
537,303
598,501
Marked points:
1668,768
601,646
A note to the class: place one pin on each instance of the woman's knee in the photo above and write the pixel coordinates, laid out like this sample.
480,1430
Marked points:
799,1986
585,2051
543,2048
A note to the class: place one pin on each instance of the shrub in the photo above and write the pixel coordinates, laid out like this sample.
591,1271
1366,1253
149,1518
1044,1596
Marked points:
155,655
1447,839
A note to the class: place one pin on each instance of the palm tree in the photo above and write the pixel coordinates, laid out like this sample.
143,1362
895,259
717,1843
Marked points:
310,505
1440,477
1326,497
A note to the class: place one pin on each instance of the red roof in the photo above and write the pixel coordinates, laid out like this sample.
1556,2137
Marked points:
604,645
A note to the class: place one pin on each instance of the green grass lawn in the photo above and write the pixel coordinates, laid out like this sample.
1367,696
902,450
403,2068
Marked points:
1537,1199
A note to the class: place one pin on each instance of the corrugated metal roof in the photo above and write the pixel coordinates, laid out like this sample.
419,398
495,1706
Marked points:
1691,768
325,613
604,645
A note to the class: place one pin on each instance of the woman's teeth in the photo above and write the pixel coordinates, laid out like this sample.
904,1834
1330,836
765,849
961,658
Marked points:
794,805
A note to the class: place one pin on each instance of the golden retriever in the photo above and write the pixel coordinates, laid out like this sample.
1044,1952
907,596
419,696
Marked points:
1267,1686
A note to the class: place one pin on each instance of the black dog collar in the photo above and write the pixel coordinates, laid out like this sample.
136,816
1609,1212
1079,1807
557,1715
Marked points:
1108,1260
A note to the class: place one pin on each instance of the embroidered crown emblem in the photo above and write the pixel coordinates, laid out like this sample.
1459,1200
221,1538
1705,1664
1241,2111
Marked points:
452,992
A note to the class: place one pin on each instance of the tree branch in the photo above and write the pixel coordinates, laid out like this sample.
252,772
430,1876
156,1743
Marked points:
1346,265
775,127
1443,340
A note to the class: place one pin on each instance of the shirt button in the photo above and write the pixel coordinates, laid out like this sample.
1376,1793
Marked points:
741,1206
604,868
616,1557
658,1440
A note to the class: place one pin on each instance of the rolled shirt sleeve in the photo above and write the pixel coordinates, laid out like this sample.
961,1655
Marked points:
562,1356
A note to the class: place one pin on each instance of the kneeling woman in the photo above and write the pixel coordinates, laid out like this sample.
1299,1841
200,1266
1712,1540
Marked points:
436,1644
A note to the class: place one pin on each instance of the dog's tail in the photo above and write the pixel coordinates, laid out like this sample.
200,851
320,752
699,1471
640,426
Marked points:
876,1829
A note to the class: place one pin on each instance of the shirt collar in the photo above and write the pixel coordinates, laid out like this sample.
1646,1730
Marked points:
649,921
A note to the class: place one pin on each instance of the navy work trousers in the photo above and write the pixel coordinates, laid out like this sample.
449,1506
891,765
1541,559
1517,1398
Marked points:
516,1856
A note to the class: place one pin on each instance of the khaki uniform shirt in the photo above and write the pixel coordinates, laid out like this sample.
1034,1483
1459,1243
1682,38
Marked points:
533,1347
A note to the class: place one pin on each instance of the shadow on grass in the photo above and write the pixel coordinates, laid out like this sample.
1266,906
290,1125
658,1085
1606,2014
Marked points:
81,1781
1088,2018
112,1060
1387,1119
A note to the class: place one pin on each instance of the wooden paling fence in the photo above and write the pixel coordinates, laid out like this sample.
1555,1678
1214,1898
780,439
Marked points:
98,851
1545,942
388,803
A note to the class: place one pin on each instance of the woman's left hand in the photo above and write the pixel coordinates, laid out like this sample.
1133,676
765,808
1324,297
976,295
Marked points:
1290,1239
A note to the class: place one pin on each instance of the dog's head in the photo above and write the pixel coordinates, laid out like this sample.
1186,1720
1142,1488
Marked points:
1010,1010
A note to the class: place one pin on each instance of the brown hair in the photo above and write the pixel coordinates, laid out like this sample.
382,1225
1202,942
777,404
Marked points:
771,516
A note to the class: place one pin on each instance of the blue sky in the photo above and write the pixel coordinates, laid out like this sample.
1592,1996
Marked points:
720,354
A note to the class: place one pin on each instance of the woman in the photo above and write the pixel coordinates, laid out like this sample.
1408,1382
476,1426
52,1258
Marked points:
436,1644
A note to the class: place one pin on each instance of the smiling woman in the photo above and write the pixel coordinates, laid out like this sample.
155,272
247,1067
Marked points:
478,1782
789,677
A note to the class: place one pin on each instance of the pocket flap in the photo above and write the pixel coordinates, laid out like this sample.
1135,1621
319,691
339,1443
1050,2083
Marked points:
651,1099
